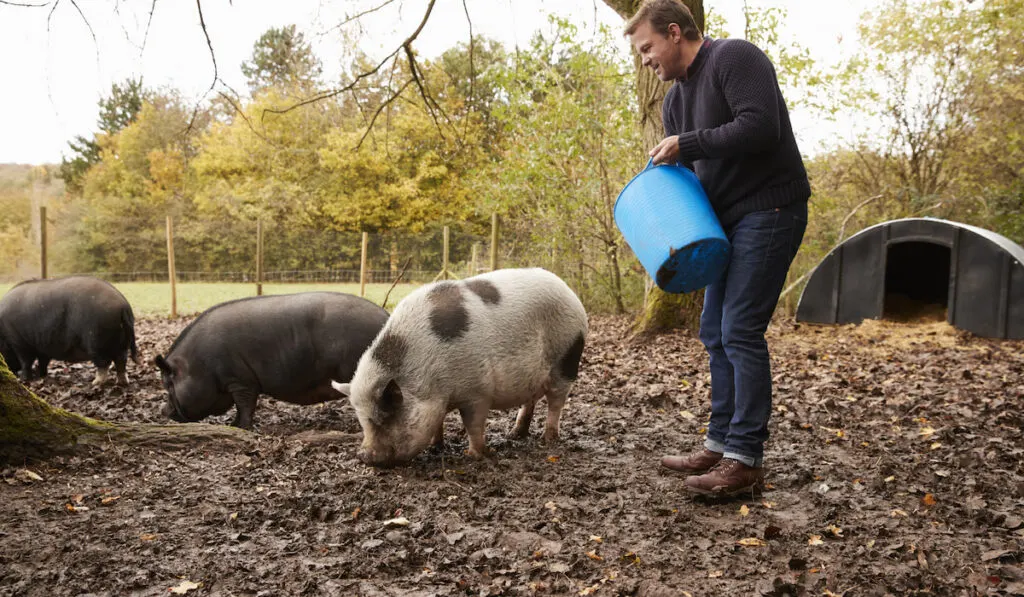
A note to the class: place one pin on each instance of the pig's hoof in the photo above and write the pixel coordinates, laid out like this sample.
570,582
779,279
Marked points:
478,454
517,433
550,438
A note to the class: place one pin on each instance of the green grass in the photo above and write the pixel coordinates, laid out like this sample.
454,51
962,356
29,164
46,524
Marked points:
152,298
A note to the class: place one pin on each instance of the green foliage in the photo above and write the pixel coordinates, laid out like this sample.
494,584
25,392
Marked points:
117,111
282,58
572,143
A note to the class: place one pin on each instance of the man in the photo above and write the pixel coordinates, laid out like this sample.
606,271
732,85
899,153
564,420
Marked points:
725,118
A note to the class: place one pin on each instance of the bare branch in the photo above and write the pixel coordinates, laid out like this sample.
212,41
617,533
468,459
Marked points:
357,16
387,102
23,5
329,94
213,57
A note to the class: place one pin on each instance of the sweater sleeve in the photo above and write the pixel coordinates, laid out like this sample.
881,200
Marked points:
748,83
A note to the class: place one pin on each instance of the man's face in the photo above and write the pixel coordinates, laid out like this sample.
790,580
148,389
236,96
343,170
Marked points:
664,54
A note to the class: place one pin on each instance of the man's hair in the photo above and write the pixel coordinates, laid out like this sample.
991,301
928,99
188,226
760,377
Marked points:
662,13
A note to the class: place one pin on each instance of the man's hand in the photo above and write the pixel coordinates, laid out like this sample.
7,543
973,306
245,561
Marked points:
666,152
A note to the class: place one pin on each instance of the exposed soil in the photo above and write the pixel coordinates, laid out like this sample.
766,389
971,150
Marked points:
895,467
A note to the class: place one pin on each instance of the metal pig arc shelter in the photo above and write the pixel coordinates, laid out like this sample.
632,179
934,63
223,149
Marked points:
976,274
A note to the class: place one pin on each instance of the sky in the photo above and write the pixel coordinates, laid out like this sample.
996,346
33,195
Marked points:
56,68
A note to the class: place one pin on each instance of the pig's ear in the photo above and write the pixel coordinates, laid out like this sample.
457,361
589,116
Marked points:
163,365
391,400
344,389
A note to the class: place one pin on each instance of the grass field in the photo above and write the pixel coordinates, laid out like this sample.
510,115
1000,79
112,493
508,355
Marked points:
152,298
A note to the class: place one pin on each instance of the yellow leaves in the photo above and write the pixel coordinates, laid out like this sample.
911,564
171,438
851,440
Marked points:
148,536
897,513
834,530
751,542
553,458
689,416
929,500
744,510
815,540
593,556
110,499
596,539
926,432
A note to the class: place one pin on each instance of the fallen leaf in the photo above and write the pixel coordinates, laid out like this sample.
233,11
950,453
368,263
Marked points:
147,537
898,512
744,510
593,556
184,587
929,500
926,432
26,476
355,513
768,504
751,542
689,416
836,531
596,538
553,458
401,521
715,574
110,499
815,540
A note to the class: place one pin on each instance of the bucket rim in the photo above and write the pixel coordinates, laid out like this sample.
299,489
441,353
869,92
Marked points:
650,167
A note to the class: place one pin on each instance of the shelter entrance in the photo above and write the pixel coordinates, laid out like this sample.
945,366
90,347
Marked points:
916,281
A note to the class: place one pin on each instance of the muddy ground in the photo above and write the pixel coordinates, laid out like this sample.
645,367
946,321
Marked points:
895,467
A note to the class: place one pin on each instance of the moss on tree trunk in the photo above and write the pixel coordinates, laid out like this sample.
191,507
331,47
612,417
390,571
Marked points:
31,429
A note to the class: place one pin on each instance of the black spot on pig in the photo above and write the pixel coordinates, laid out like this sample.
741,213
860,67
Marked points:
487,291
390,351
448,316
569,365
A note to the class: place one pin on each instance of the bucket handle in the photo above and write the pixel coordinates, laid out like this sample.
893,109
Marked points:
650,164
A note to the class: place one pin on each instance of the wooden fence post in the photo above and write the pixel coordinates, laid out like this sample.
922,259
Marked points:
444,254
259,257
362,264
494,241
170,266
42,241
474,256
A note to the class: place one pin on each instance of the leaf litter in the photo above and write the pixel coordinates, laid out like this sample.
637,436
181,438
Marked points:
915,431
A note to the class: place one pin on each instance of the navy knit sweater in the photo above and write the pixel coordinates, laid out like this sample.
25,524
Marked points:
734,130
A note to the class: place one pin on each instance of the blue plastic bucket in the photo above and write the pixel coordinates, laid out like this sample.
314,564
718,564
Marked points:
666,218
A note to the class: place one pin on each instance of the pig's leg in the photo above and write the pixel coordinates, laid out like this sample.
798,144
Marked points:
556,401
474,418
522,426
245,405
438,441
119,366
102,373
41,366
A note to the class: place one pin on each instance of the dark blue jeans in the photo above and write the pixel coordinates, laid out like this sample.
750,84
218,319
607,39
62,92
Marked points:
737,309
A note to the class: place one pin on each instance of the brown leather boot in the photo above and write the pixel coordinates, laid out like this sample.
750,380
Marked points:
729,478
694,463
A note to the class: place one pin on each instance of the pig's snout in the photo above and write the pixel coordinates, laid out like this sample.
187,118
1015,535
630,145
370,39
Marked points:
376,456
171,413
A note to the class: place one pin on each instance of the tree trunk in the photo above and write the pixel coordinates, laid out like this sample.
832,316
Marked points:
662,311
31,429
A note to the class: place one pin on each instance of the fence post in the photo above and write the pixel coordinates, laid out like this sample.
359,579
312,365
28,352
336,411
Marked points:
473,258
494,241
362,264
170,266
42,241
259,257
444,254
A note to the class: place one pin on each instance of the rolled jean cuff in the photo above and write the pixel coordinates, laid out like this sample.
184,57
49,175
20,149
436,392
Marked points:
751,461
714,446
